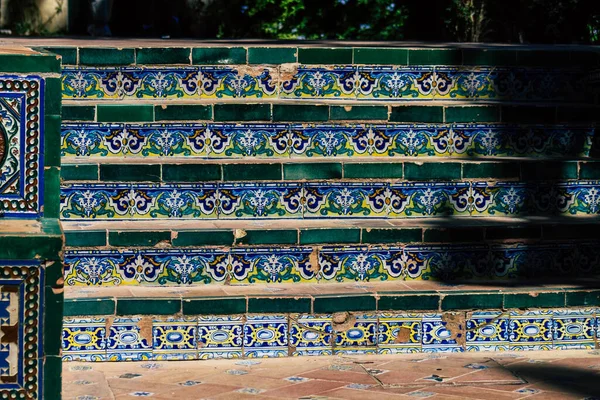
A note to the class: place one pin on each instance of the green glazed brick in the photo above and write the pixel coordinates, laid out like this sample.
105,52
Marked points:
391,235
78,113
218,55
85,238
571,231
373,170
68,54
489,57
214,306
163,55
417,114
51,192
182,112
543,58
52,376
473,114
312,171
411,303
53,310
578,297
130,173
432,170
380,56
53,96
352,113
589,170
279,305
584,58
442,235
546,170
434,57
271,55
251,172
137,238
29,248
79,172
203,238
533,300
242,112
300,113
528,114
279,236
106,56
98,306
191,172
314,55
330,304
470,301
148,306
518,232
125,113
578,114
52,140
496,170
318,236
34,63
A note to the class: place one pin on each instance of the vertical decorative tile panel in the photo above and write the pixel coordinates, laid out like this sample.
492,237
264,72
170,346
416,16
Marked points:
359,337
84,339
530,330
175,339
437,337
266,336
487,331
399,333
311,335
574,329
21,146
220,337
129,339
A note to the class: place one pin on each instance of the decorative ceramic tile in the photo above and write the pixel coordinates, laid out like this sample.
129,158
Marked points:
434,83
168,82
243,265
310,335
437,337
84,339
175,339
21,146
358,338
530,330
327,200
226,141
21,360
399,333
266,336
487,331
220,337
129,339
574,329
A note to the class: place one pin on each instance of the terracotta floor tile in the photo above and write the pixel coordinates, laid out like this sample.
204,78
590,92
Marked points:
313,387
353,394
340,376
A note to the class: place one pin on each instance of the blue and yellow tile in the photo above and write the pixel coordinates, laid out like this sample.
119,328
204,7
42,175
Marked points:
574,329
355,333
438,337
84,339
129,339
530,330
310,335
175,339
487,331
399,333
220,337
266,336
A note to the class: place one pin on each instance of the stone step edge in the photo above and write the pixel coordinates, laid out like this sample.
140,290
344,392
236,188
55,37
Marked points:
404,301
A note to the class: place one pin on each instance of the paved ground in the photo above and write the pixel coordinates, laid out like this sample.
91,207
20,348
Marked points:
489,376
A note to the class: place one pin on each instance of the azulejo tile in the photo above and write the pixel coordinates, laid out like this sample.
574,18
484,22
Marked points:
21,146
254,200
355,334
574,329
272,265
310,335
350,263
530,330
266,336
220,337
215,140
399,333
84,339
346,199
438,337
487,331
175,339
129,339
169,82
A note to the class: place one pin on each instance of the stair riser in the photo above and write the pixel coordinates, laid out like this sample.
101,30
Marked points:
156,267
280,335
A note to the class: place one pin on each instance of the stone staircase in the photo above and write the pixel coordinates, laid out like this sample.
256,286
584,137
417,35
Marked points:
224,202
